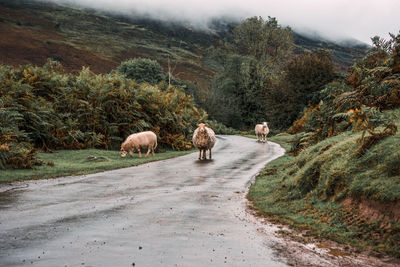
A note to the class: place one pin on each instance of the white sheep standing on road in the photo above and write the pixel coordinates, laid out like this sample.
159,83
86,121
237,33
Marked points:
261,131
137,142
204,139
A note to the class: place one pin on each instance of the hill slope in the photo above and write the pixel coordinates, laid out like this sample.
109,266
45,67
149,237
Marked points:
34,31
341,178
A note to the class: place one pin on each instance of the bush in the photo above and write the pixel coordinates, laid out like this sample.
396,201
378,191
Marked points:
142,70
15,151
309,73
45,108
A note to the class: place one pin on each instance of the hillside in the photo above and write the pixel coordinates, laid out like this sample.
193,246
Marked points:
343,56
78,37
340,179
34,31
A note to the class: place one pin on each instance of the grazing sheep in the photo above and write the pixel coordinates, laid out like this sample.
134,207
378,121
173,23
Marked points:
137,142
261,132
204,139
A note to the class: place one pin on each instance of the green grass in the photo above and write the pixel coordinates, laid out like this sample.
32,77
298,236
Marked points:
306,191
76,162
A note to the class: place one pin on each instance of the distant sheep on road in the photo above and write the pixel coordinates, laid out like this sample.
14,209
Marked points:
137,142
261,131
203,139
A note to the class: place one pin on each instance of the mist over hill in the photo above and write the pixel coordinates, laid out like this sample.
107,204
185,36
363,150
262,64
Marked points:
333,20
33,31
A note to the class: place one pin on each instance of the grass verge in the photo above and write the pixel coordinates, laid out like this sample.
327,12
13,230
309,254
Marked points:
327,192
79,162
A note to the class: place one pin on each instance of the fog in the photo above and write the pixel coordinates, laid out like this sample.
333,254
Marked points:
335,20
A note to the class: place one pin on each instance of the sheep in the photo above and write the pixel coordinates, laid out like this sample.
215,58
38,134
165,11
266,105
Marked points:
203,139
261,132
136,142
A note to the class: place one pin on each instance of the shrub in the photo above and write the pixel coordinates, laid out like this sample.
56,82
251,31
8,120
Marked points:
142,70
15,151
49,109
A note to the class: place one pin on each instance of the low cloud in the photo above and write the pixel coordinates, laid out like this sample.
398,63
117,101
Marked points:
330,19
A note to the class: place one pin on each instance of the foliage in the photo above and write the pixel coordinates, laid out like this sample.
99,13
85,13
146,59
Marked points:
52,110
250,71
141,70
308,73
265,40
376,78
15,150
236,98
366,142
372,86
260,81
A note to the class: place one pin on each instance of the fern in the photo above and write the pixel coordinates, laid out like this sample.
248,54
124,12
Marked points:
61,110
342,116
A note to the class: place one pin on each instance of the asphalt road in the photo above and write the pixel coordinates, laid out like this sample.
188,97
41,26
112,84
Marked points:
177,212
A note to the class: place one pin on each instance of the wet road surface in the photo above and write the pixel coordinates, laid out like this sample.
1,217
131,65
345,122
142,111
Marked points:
177,212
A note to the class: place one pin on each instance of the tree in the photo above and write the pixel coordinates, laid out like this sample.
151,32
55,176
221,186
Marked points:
263,39
237,93
241,91
308,73
142,70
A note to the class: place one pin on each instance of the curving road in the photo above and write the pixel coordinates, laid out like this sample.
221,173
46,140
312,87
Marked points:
177,212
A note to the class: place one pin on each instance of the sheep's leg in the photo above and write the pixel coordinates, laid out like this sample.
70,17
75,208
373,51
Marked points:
210,153
200,154
204,153
140,153
148,152
152,151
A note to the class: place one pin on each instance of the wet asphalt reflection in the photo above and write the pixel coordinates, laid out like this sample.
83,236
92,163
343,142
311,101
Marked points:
177,212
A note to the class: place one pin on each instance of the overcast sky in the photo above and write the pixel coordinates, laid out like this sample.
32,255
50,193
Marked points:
333,19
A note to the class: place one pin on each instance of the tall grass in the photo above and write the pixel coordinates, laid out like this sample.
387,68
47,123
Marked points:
308,191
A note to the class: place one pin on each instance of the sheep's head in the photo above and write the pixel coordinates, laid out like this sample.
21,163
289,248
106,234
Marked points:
202,129
265,124
123,153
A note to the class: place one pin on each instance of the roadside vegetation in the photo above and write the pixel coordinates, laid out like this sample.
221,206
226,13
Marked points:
46,108
340,177
49,110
